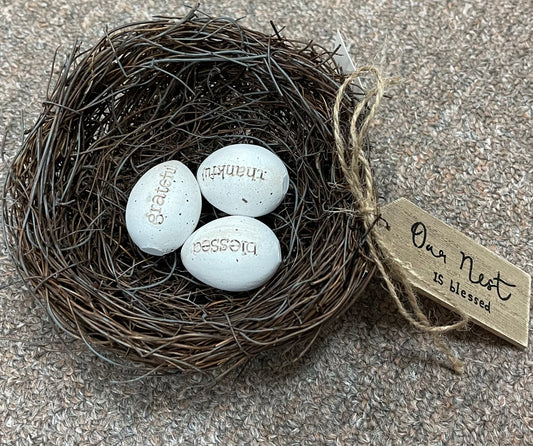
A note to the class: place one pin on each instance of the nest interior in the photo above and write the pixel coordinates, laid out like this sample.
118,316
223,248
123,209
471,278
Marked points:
180,89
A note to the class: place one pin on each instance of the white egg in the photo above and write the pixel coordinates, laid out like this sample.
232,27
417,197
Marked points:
243,179
234,253
163,208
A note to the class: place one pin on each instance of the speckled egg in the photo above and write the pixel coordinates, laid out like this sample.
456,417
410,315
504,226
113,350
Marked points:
163,208
243,179
235,253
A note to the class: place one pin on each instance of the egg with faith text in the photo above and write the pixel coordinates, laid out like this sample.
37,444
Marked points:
235,253
163,208
243,179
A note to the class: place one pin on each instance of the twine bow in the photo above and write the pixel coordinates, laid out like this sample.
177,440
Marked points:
357,171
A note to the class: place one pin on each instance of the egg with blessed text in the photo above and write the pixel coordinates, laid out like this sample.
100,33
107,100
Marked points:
163,208
235,253
243,179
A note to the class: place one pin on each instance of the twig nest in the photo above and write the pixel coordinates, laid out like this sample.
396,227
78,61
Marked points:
179,89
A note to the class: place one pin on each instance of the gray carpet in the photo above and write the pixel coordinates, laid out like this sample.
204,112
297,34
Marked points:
455,138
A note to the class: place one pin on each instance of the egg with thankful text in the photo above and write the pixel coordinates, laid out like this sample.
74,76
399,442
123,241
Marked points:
235,253
243,179
163,208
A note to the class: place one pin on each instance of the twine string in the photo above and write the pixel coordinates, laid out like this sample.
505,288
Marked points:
356,168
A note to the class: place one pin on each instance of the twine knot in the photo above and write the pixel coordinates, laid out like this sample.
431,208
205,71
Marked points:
358,174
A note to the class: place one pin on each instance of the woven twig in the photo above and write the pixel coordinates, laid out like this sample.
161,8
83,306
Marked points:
180,89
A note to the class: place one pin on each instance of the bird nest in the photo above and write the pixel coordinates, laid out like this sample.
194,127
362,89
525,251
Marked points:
179,89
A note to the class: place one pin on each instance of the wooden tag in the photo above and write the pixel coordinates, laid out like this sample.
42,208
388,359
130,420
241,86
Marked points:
447,266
